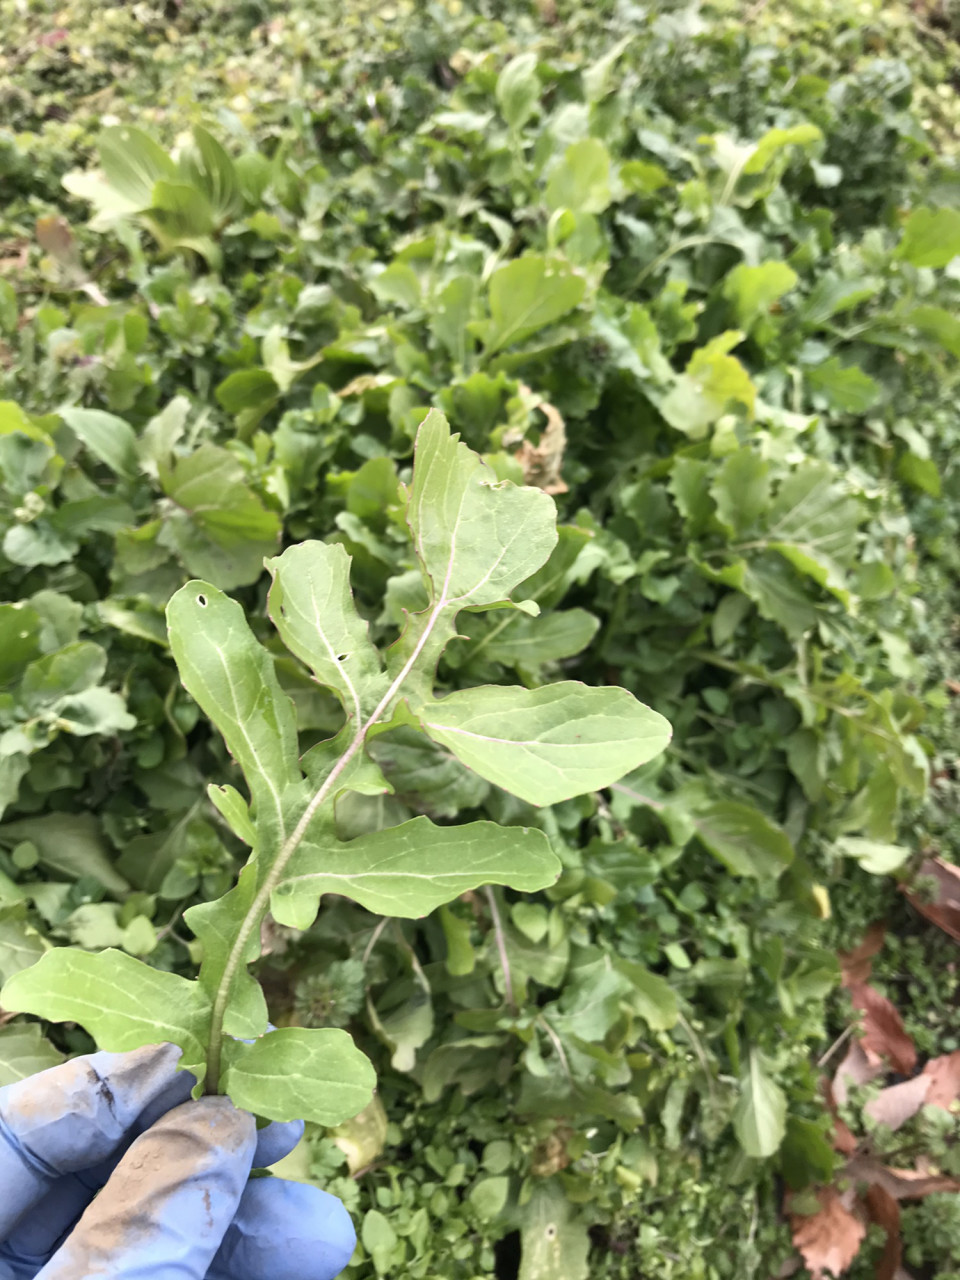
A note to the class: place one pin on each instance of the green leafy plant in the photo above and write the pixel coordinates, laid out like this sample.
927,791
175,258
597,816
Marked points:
689,276
476,541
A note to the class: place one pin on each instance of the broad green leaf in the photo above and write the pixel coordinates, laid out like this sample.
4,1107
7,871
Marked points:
776,140
181,216
216,925
874,856
807,1154
24,1052
298,1074
9,310
411,869
843,387
745,840
526,295
760,1116
488,1197
651,996
207,166
813,524
712,383
232,677
450,316
754,290
398,283
107,437
218,525
312,607
931,237
547,744
777,589
596,77
581,181
528,643
590,1002
518,90
19,639
937,323
122,1002
552,1246
248,392
379,1238
234,811
72,843
741,489
476,539
133,163
832,295
20,944
405,1024
416,767
161,433
13,768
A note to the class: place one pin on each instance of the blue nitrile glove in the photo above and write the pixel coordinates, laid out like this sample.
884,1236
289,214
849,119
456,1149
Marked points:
176,1202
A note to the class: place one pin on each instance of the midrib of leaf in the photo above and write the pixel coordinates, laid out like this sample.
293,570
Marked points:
278,804
335,657
507,336
511,617
261,901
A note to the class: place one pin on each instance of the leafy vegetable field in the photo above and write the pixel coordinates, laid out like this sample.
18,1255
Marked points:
688,273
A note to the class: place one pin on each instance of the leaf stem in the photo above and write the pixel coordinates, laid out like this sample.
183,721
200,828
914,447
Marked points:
261,902
501,950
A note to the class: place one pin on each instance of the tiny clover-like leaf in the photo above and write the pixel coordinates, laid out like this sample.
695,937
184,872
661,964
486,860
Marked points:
299,1074
550,743
312,607
410,869
122,1002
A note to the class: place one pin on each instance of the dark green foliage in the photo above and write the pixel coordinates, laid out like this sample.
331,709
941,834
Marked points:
674,270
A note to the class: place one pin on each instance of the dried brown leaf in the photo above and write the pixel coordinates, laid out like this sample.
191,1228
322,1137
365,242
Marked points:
943,908
855,1069
542,462
830,1239
895,1105
944,1076
855,965
885,1212
55,237
884,1037
901,1184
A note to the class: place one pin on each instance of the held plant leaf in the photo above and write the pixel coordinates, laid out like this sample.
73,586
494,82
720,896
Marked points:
476,539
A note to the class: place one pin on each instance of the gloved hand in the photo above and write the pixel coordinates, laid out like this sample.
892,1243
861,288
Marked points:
176,1202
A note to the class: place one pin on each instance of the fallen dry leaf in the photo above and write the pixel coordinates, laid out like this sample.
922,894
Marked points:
884,1036
842,1139
855,1069
829,1240
855,965
944,1076
885,1212
943,908
542,462
55,237
895,1105
901,1184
